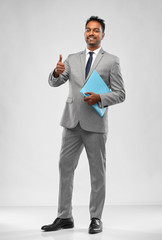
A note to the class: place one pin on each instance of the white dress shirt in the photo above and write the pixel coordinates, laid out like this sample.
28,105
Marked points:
94,55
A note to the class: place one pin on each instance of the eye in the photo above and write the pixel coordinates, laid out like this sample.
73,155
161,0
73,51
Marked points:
96,30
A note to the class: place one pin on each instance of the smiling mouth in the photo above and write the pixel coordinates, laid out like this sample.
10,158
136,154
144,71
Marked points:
91,38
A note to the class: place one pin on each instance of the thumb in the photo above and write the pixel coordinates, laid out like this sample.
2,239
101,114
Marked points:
60,60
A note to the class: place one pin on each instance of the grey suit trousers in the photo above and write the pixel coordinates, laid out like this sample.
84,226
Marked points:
73,141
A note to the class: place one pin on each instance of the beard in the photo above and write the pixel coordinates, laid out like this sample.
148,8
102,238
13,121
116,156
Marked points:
92,43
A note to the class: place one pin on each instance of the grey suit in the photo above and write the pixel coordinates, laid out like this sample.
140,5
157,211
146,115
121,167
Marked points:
76,110
83,127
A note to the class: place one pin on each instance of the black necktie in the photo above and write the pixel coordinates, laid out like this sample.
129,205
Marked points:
89,62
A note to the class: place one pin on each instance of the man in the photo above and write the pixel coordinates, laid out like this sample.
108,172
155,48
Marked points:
83,127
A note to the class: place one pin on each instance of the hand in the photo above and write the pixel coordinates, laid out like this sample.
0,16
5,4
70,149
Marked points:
60,68
92,99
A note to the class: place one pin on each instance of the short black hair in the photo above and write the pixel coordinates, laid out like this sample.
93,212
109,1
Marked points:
97,19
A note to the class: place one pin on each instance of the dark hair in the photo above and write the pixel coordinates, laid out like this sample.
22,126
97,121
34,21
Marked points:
97,19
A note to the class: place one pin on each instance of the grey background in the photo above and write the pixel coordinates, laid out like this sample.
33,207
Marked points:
33,34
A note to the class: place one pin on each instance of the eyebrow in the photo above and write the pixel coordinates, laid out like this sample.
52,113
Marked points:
92,28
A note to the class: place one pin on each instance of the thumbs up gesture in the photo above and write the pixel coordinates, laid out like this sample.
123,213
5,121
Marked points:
60,67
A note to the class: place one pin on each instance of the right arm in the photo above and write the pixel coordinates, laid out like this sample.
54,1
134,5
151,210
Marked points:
60,74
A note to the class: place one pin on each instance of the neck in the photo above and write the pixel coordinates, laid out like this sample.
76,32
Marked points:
93,48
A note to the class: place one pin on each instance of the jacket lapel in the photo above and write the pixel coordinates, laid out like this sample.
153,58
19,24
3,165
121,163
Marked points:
83,61
96,62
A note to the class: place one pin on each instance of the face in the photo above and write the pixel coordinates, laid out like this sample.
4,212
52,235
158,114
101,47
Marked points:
93,35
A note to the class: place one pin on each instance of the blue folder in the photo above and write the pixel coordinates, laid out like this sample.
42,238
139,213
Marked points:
96,85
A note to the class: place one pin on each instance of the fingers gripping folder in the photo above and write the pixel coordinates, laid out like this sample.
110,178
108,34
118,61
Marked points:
96,85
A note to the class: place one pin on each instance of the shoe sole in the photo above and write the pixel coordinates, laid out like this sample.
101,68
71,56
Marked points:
63,227
94,232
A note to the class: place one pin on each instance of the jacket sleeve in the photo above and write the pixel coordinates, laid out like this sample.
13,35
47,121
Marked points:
117,94
55,82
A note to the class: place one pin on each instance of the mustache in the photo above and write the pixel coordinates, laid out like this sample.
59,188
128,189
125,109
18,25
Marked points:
91,36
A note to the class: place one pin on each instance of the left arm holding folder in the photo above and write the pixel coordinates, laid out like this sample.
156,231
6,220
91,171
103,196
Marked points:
117,94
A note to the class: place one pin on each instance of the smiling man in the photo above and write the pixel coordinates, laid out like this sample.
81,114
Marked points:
83,127
94,33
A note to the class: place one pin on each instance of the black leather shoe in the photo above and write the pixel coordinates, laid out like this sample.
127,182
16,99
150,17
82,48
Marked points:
59,223
95,226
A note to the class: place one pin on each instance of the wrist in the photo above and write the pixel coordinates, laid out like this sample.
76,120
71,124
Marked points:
55,74
98,98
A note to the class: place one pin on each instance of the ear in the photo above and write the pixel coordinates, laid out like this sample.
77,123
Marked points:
103,35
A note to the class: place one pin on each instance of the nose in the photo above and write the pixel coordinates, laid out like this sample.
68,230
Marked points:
91,32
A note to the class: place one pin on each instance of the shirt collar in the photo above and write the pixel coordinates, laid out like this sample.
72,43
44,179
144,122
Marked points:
95,51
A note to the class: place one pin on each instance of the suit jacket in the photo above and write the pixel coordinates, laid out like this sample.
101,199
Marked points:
76,110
